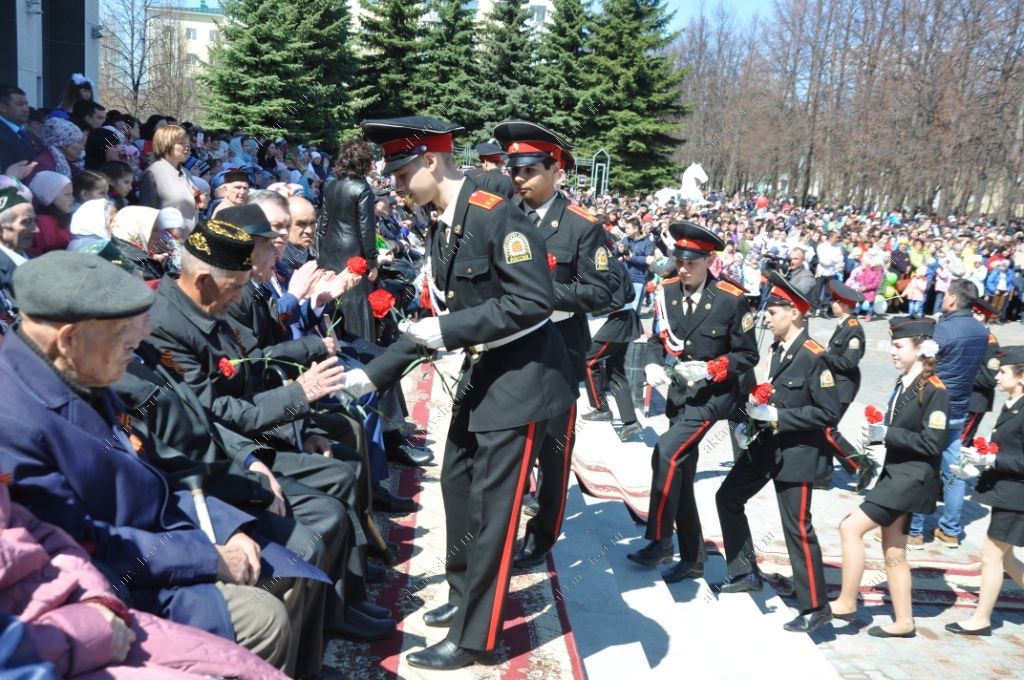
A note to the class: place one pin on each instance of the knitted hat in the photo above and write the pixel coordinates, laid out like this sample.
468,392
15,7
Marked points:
46,185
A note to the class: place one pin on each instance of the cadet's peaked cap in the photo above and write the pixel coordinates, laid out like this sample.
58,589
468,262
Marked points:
845,294
250,218
221,244
72,286
1011,356
984,308
527,143
693,241
403,139
490,151
783,293
905,327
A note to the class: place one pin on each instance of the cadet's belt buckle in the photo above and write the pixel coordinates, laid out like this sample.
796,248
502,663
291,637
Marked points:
473,351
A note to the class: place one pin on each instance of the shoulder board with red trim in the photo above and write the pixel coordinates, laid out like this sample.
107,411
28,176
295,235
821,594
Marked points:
666,282
937,382
484,200
854,323
582,212
992,339
814,347
729,288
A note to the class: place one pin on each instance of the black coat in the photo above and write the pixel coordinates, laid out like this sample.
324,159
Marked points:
914,442
493,274
621,326
494,181
845,350
808,402
1003,485
983,393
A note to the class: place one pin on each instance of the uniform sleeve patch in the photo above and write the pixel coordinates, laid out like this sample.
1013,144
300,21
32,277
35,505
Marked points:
601,259
748,322
937,420
729,288
516,248
993,364
582,212
854,343
826,379
937,382
854,323
814,347
484,200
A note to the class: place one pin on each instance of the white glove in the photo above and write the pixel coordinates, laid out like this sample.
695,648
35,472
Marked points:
425,332
982,461
874,432
765,412
357,383
966,471
692,371
743,439
656,375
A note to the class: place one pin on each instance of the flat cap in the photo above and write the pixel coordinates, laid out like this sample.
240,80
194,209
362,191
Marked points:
71,286
221,244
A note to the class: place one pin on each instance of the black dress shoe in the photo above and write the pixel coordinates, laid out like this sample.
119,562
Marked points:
444,656
385,501
528,558
442,616
375,573
878,631
404,454
630,430
866,473
598,415
810,621
653,554
372,610
683,570
359,627
747,583
960,630
530,506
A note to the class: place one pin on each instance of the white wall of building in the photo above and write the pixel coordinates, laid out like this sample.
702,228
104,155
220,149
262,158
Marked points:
30,50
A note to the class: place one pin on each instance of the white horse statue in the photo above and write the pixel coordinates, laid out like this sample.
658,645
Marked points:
689,191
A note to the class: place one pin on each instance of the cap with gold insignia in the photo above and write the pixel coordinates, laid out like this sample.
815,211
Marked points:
490,151
845,294
528,143
984,308
783,293
693,241
250,218
404,139
221,244
905,327
70,286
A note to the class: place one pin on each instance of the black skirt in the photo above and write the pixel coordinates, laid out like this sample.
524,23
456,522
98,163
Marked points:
1007,526
883,516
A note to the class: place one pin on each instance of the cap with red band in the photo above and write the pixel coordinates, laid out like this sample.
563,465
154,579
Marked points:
782,293
693,241
528,143
403,139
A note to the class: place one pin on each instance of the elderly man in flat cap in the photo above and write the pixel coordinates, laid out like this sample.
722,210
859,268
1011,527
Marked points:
63,437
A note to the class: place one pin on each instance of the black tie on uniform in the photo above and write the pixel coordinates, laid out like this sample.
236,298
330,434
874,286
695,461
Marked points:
534,216
896,394
776,358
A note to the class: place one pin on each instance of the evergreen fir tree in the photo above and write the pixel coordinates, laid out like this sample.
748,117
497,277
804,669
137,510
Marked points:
392,45
507,52
281,69
451,77
631,101
559,67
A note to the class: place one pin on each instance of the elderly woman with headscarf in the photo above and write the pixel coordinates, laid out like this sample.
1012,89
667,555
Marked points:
53,201
64,145
166,184
91,223
138,232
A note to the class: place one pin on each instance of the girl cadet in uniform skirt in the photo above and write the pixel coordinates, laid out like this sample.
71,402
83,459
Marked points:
914,434
1002,487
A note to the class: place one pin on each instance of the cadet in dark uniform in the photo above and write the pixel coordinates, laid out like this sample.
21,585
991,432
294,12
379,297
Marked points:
785,449
488,264
983,392
701,319
1001,486
489,175
606,368
844,351
537,157
914,433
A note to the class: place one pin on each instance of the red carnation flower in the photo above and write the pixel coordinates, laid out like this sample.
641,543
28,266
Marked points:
426,301
762,394
979,443
992,449
552,262
649,287
718,369
226,368
873,415
381,302
357,265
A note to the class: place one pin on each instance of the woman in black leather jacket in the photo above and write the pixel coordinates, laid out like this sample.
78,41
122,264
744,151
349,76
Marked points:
349,230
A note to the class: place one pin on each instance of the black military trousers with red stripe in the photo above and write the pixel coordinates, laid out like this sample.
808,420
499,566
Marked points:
554,458
674,461
740,485
606,369
838,446
482,482
971,426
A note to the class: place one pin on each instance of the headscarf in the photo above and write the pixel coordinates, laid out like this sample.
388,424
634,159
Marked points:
58,133
45,186
89,223
134,224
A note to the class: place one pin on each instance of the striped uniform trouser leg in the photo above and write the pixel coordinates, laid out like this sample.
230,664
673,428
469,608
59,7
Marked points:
802,543
555,460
